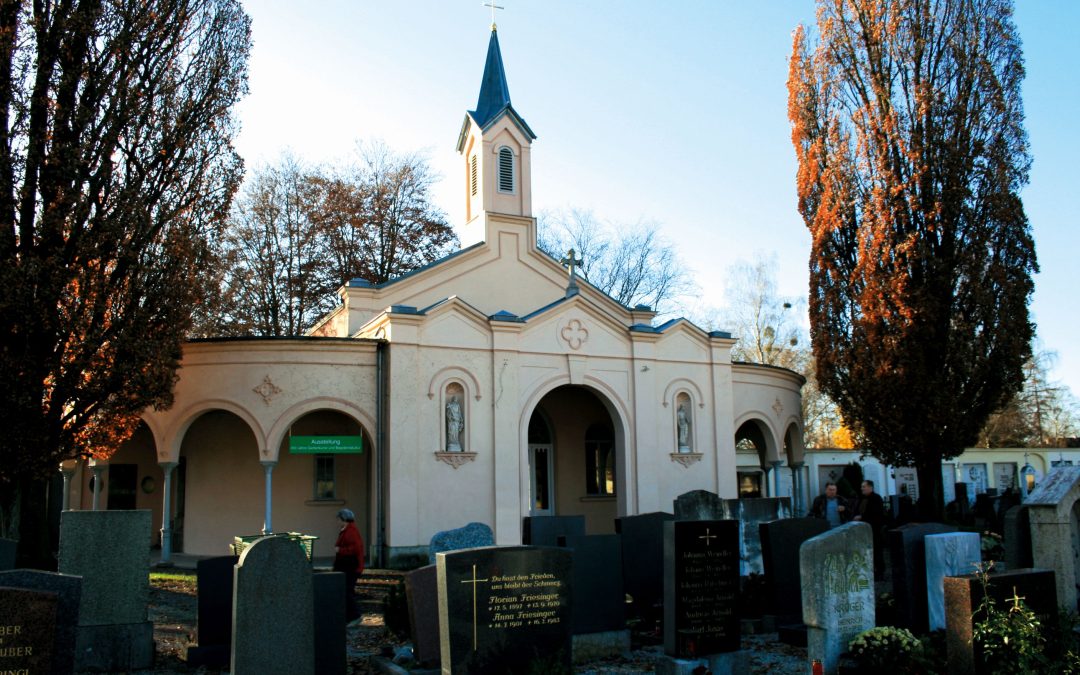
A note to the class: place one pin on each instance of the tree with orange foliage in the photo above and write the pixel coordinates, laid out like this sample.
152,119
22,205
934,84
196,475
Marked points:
907,124
116,166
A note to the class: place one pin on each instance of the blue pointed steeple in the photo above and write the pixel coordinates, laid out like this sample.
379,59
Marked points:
494,92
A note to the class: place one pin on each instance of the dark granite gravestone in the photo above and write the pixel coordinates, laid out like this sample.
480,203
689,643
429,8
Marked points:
699,505
213,621
643,559
7,553
328,591
599,600
68,591
701,585
780,542
468,536
907,551
546,530
1018,538
505,610
964,594
27,630
422,595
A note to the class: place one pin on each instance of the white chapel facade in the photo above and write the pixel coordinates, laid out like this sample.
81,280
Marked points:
489,386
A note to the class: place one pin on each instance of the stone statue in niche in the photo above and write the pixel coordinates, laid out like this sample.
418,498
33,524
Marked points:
682,413
455,424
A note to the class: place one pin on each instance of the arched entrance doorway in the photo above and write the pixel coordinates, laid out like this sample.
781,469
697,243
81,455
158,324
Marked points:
575,454
753,454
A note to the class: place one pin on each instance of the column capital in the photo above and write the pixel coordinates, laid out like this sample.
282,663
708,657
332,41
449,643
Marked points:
168,466
268,463
796,465
777,463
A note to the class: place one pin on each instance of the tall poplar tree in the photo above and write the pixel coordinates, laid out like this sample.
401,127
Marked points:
908,127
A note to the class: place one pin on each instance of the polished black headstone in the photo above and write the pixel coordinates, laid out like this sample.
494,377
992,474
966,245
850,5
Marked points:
328,591
963,596
505,610
701,587
599,600
7,553
422,595
780,542
68,591
1018,552
643,559
907,551
213,620
28,625
546,530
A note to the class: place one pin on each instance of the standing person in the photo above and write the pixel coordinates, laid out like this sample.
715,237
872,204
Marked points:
349,558
830,506
870,509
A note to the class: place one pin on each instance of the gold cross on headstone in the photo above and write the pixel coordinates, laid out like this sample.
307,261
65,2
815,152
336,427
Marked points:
493,7
707,537
474,581
573,262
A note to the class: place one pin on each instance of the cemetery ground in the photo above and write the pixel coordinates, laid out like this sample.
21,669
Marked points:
173,608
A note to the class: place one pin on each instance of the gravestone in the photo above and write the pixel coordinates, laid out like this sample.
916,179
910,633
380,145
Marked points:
472,535
7,553
27,629
964,594
546,530
1018,538
780,542
701,585
213,620
68,592
110,551
422,596
599,600
837,570
505,610
273,627
699,505
947,555
328,592
1052,510
643,559
907,551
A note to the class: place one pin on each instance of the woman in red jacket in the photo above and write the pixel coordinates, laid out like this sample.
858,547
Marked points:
349,558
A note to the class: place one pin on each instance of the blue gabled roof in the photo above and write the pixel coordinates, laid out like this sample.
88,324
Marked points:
494,98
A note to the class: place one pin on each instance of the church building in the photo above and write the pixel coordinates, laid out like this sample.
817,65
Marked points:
491,385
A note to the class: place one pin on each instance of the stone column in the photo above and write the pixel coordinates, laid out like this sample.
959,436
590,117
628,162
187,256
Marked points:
98,467
166,513
268,467
776,464
67,470
796,488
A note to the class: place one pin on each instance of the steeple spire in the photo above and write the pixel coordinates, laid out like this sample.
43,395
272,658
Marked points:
494,92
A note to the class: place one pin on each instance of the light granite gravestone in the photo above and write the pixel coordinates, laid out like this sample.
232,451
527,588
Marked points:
837,570
947,555
473,535
68,591
1053,513
699,505
110,550
273,604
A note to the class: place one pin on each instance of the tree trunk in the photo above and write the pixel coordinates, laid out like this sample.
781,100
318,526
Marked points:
931,507
34,549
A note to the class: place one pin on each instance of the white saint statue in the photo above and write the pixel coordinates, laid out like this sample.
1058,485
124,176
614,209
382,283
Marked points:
455,424
684,427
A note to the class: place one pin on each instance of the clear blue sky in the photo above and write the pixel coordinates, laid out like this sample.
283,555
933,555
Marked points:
673,111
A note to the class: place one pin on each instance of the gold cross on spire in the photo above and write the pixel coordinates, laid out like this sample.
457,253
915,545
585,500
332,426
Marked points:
493,7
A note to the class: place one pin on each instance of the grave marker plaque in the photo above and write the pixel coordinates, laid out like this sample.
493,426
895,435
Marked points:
505,610
27,629
701,585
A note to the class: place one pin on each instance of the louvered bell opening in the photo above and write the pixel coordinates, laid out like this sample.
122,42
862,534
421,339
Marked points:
472,175
506,170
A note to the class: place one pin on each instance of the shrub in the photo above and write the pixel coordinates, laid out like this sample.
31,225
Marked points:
887,647
1011,639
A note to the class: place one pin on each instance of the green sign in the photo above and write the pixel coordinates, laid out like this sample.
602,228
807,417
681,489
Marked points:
326,445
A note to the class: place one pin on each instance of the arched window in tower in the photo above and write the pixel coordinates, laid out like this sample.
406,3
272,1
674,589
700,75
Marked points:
455,418
506,169
472,175
599,460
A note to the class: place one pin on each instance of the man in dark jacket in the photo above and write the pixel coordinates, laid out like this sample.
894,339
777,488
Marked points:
831,507
870,509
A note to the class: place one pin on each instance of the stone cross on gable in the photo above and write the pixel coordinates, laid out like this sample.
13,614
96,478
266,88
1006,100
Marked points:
573,262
